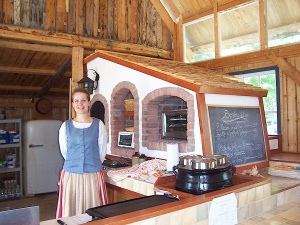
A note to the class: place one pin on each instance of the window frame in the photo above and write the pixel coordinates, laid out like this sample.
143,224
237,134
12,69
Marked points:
260,70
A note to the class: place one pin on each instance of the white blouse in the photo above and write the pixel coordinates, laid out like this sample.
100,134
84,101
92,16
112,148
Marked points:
102,139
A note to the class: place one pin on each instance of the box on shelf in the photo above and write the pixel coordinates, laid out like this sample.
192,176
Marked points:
4,138
14,137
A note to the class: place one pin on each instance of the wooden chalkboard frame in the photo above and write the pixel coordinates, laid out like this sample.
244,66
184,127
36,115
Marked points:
263,140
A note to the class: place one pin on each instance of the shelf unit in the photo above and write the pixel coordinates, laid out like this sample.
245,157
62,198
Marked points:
16,148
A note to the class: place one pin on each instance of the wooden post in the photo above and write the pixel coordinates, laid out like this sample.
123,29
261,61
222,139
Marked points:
263,25
217,31
77,68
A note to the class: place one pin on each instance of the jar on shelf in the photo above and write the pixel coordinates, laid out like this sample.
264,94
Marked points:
142,158
135,158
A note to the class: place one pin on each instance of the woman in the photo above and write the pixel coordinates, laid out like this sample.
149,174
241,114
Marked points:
82,143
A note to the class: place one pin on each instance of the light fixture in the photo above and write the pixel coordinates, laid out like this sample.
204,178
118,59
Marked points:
88,83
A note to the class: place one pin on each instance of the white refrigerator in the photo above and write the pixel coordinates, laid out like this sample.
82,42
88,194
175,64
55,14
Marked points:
42,157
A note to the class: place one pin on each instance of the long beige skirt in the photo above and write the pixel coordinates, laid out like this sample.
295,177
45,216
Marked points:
79,192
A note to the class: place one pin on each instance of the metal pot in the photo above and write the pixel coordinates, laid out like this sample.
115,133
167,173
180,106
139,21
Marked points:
201,177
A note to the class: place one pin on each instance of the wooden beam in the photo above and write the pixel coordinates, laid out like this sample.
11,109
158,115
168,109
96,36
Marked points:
30,105
164,15
71,40
60,72
35,47
246,58
210,10
178,43
30,88
40,72
285,67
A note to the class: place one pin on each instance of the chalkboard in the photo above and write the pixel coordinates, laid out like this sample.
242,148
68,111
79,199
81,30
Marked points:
237,133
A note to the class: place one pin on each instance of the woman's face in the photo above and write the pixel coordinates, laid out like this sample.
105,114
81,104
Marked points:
80,103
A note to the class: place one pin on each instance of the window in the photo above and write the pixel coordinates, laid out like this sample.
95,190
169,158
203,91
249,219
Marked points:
240,30
201,46
283,22
266,78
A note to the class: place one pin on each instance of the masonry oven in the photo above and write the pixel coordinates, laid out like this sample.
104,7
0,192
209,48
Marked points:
174,124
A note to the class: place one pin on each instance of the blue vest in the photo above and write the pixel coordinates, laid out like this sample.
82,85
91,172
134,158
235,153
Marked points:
82,149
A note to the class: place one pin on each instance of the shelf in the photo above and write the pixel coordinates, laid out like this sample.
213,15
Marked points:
17,172
9,170
14,145
10,121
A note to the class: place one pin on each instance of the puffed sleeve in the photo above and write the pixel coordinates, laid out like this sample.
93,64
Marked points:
62,138
102,141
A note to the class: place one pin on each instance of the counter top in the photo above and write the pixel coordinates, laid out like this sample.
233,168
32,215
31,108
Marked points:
187,201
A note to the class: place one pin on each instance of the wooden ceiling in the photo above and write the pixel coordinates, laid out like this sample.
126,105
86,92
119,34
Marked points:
36,46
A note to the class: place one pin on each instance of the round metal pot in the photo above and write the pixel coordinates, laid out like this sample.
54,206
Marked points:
201,181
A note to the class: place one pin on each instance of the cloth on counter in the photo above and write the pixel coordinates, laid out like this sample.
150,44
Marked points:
138,171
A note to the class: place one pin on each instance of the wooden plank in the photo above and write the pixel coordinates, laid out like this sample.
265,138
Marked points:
159,32
253,57
152,25
38,72
103,20
8,6
39,36
164,15
205,133
61,17
291,122
283,110
1,11
35,47
71,18
80,7
121,6
297,62
178,50
51,83
17,12
166,38
285,66
50,14
96,16
77,65
89,17
25,13
128,20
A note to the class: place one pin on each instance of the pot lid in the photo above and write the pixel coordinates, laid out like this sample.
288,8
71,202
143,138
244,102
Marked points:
204,164
186,160
220,159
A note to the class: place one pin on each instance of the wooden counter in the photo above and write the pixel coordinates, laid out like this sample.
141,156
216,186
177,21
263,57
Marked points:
187,200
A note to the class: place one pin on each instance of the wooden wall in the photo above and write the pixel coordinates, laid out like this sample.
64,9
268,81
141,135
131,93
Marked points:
16,108
289,101
130,21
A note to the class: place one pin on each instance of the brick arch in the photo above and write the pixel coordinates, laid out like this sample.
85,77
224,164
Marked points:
101,98
151,119
119,117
